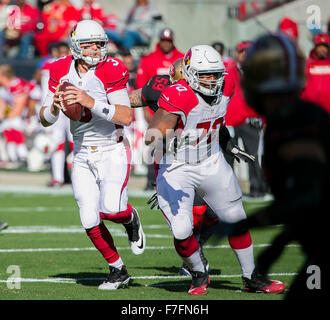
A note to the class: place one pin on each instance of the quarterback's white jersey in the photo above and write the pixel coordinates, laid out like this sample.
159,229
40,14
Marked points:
101,82
199,122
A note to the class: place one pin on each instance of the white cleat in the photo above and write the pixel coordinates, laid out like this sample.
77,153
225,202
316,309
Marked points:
118,278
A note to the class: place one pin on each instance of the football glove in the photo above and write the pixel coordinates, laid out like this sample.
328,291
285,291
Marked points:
227,145
153,201
238,153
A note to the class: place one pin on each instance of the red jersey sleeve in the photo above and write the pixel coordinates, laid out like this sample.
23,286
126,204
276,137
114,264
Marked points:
229,86
57,70
179,99
113,74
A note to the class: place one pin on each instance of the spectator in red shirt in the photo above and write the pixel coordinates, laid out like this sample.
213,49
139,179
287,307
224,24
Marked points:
247,123
4,13
21,26
290,28
59,17
160,60
317,87
92,10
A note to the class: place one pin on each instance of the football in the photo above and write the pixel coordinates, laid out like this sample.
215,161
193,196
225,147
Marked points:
71,110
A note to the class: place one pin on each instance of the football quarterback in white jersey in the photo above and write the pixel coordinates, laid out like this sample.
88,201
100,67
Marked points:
185,129
101,163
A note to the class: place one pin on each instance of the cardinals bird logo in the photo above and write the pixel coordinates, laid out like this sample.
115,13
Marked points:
187,57
73,32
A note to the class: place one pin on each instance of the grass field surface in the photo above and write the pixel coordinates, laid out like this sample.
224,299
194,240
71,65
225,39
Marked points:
47,248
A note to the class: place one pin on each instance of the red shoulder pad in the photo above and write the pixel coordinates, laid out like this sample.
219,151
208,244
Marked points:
47,64
178,98
229,86
113,74
58,69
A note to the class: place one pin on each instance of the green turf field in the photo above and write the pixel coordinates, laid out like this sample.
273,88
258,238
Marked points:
57,261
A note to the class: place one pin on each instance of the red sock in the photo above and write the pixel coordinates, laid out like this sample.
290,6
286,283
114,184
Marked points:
102,240
185,248
240,242
119,217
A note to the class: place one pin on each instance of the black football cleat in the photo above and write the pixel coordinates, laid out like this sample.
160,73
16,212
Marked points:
259,283
200,281
118,278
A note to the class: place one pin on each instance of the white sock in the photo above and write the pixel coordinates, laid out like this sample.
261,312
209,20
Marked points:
117,264
246,260
195,262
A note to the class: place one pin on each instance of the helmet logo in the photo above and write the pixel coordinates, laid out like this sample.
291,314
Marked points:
187,57
73,32
172,71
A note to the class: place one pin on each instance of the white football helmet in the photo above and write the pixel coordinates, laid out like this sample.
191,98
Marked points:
88,31
204,59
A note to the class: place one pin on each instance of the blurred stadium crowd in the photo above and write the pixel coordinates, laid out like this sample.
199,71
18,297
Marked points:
42,31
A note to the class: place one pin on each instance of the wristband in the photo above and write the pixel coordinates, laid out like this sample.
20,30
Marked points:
104,110
49,117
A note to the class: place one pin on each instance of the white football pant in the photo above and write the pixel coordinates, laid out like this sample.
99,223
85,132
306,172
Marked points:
99,179
60,133
213,179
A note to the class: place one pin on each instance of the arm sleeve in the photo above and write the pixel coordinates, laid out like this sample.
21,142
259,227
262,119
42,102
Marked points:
119,97
48,100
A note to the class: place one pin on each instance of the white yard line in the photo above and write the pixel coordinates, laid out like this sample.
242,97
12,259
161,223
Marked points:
115,230
47,209
66,190
75,280
262,245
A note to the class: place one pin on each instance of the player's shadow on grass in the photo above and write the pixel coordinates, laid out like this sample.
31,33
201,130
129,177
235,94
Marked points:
175,270
184,285
92,279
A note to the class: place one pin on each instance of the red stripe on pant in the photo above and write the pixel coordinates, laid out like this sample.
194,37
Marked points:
102,240
60,147
126,215
129,157
119,217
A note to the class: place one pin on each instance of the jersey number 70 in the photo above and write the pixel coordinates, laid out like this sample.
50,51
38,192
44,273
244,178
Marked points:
207,131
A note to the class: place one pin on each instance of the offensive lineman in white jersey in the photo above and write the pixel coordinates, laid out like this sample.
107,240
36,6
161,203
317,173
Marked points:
190,113
101,163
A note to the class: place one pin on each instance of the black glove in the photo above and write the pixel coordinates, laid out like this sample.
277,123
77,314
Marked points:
238,153
153,201
228,146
